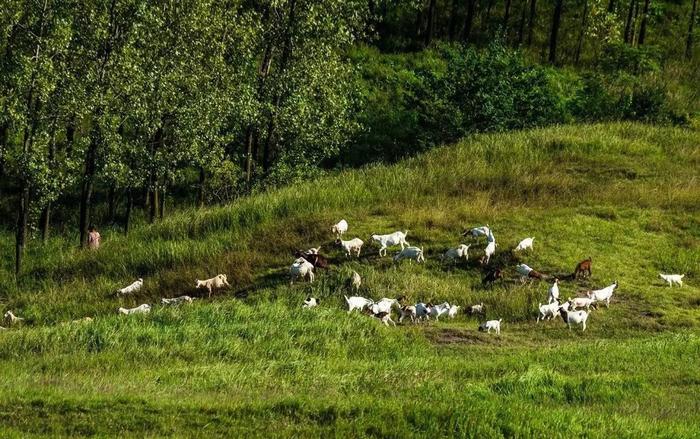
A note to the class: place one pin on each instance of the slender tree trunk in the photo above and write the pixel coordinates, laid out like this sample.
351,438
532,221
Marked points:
611,6
4,133
453,20
430,29
521,26
582,32
645,19
155,203
111,205
129,209
691,24
161,207
635,28
506,17
45,219
531,22
200,187
486,18
469,20
628,22
554,35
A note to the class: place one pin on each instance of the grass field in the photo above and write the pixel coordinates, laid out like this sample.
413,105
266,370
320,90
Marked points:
250,362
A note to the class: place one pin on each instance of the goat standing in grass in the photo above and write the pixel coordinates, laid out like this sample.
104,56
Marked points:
214,283
673,279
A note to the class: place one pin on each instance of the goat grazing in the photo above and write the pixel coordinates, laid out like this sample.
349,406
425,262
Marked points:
604,294
489,251
384,317
301,268
476,309
383,305
355,281
525,244
673,279
10,319
410,253
423,310
141,309
340,228
316,259
582,302
452,313
575,317
357,302
176,300
492,276
390,240
310,302
549,310
527,272
583,268
354,245
215,283
135,287
461,251
478,231
491,324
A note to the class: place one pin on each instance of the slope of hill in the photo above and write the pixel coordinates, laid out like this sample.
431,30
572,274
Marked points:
251,361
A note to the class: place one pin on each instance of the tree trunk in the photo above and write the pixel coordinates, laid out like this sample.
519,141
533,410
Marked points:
4,133
155,203
645,19
691,24
161,206
635,20
611,6
432,4
582,32
469,20
521,26
531,22
506,17
556,22
111,205
129,209
200,187
628,22
453,20
22,220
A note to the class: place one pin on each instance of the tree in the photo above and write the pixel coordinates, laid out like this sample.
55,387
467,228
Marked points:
689,39
629,22
554,34
645,19
469,20
531,22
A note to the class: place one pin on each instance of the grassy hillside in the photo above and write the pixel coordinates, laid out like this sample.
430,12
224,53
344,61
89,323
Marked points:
251,362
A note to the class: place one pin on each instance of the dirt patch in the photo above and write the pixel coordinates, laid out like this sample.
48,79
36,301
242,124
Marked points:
452,336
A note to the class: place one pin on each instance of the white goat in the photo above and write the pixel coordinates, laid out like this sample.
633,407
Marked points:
176,300
581,302
410,253
462,251
491,324
214,283
383,305
340,228
135,287
438,310
479,231
10,319
673,279
476,309
390,240
604,294
553,291
525,244
452,313
489,251
356,281
575,317
357,302
301,268
141,309
354,245
313,250
407,311
310,302
548,311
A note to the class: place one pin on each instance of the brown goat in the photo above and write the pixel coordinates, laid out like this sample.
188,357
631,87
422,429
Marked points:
583,267
492,276
317,260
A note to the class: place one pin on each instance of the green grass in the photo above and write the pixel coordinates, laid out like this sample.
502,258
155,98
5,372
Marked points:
249,362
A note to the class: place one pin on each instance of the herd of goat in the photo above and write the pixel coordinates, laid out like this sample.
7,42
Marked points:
573,311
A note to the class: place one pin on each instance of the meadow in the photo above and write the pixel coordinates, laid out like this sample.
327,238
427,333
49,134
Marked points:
250,362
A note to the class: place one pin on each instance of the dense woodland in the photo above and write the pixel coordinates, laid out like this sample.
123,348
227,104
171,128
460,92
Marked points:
114,111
